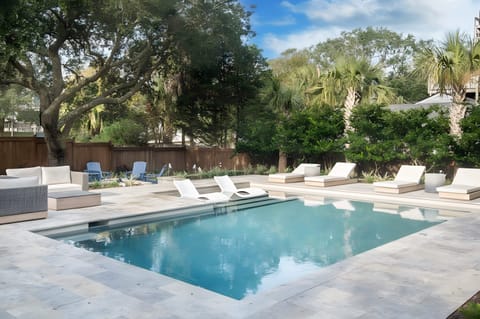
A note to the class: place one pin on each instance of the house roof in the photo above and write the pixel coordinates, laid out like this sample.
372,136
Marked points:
443,100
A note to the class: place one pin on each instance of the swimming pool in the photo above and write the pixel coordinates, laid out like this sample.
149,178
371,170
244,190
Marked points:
247,251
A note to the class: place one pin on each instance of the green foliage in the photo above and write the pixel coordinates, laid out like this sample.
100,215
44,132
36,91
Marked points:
103,184
16,101
255,133
222,73
383,137
387,47
468,148
124,132
426,138
218,171
471,311
450,66
409,88
370,143
304,135
373,176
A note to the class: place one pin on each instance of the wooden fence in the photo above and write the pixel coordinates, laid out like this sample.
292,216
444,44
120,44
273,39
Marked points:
31,151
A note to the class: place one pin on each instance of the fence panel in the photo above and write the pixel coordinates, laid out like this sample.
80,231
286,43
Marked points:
91,152
32,151
208,158
22,152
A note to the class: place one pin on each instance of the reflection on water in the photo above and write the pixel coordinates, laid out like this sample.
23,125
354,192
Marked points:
252,250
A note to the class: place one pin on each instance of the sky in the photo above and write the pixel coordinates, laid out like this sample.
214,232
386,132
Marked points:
281,25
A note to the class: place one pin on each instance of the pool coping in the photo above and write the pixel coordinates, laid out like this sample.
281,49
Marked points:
416,276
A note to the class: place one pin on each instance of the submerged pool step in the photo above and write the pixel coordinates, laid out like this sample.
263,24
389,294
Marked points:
236,205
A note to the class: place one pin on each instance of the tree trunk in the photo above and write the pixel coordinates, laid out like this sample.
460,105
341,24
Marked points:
56,149
349,104
53,139
2,125
457,113
282,161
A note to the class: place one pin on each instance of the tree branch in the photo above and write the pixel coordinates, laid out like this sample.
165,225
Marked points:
72,91
69,120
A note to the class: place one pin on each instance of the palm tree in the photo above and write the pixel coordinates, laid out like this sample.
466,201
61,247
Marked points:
451,66
283,99
353,81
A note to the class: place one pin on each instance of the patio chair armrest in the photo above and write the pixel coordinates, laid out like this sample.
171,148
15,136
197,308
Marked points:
80,178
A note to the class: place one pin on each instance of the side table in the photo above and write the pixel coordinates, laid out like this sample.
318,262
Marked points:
72,199
433,180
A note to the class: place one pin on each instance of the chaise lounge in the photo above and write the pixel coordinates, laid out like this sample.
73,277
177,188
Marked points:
297,175
465,185
338,175
228,188
407,180
188,190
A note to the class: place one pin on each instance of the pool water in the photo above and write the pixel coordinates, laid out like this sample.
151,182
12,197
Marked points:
252,250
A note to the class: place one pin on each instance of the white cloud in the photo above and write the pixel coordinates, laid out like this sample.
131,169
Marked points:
332,11
425,19
300,40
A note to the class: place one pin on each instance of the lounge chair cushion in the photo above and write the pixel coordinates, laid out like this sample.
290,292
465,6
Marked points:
342,169
19,182
306,169
324,178
410,173
467,176
56,175
458,189
297,175
394,184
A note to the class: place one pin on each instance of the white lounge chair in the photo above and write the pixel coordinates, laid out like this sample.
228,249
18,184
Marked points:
228,188
338,175
188,190
297,175
465,185
407,180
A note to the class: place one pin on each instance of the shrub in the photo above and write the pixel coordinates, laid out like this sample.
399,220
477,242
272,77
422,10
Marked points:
124,132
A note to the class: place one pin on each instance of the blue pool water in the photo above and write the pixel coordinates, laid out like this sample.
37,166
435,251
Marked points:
252,250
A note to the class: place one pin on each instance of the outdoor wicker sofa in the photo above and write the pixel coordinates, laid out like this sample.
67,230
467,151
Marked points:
58,178
22,199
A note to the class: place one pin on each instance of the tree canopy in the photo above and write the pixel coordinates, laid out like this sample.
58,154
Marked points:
77,55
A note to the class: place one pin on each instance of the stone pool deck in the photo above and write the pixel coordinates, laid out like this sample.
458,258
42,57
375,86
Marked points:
424,275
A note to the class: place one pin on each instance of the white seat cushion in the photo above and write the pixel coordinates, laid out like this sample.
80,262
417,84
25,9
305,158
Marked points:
308,169
394,184
56,175
286,176
324,178
458,189
64,187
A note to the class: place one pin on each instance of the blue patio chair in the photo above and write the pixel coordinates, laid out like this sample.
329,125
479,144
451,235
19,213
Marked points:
152,178
95,172
138,171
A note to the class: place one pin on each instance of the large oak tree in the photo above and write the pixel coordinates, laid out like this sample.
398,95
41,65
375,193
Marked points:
46,45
